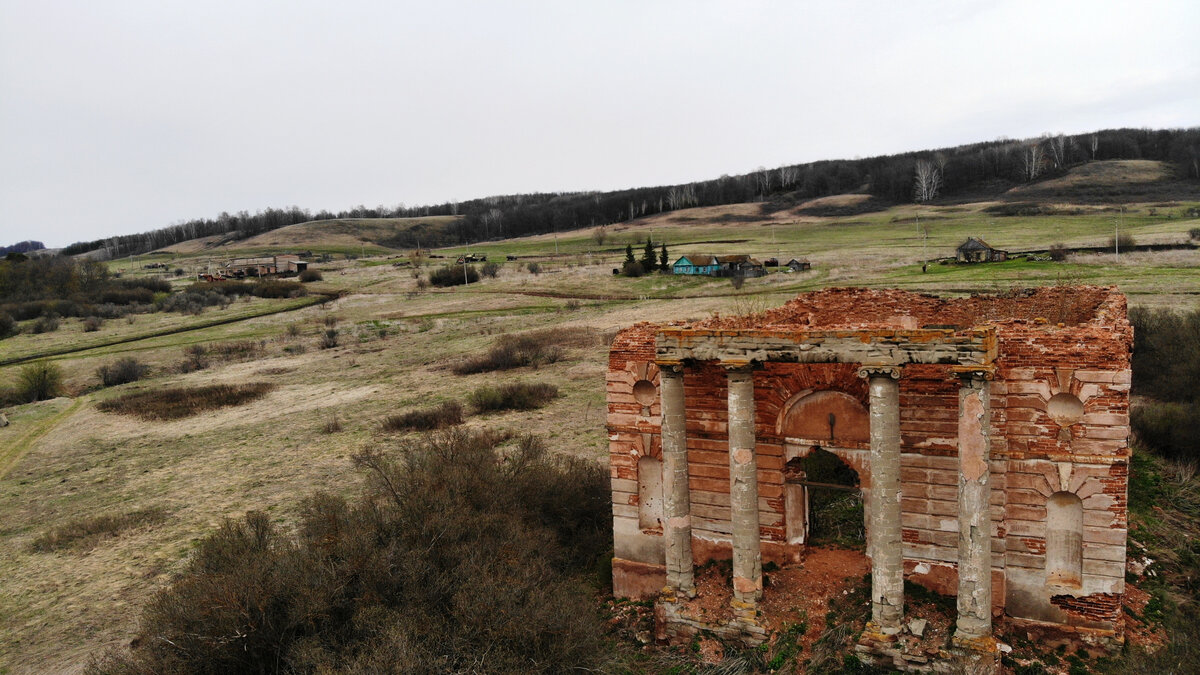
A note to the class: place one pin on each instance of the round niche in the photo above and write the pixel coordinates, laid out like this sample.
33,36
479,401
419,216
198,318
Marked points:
1065,409
645,392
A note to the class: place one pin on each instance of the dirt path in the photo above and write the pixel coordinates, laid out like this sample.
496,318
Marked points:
13,453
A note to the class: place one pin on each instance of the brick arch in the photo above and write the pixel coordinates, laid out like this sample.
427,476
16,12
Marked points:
825,417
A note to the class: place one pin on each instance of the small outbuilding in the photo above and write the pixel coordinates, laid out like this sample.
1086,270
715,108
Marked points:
975,249
799,265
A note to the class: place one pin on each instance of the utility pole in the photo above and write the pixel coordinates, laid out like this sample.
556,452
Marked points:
1117,234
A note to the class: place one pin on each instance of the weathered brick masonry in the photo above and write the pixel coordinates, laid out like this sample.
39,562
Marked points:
989,434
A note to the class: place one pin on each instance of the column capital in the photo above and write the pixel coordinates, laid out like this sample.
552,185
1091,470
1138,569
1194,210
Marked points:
738,366
870,371
974,373
669,368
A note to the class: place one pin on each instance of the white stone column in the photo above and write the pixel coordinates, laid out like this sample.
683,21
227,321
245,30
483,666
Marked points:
886,546
677,519
743,487
974,517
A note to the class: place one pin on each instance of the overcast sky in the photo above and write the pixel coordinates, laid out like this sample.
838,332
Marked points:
118,116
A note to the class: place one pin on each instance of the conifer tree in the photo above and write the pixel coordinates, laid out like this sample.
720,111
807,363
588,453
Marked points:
663,262
649,259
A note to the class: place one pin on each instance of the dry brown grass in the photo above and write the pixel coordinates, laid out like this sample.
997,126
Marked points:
179,402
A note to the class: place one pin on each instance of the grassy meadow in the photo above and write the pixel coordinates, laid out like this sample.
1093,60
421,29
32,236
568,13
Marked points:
64,463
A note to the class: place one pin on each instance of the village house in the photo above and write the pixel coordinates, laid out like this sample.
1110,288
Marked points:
799,265
719,266
989,437
975,249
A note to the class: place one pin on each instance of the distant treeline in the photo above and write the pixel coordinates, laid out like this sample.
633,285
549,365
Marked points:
915,176
22,247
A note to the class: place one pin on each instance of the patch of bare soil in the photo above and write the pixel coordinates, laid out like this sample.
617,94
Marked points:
796,595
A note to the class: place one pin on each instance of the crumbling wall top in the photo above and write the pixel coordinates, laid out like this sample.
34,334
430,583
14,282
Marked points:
862,308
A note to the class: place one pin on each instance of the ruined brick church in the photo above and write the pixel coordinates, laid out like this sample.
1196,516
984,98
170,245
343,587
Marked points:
989,435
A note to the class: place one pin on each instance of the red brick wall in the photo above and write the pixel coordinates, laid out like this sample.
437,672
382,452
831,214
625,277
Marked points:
1068,340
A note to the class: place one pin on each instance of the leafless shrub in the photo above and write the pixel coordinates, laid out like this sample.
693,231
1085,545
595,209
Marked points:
533,348
513,396
459,557
92,324
490,269
122,371
179,402
332,425
46,324
329,339
85,533
195,357
1057,252
441,416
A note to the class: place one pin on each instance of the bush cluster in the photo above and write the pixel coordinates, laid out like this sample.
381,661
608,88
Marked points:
310,275
459,557
1166,354
440,416
179,402
1166,368
1167,428
122,371
513,396
453,275
39,381
514,351
86,532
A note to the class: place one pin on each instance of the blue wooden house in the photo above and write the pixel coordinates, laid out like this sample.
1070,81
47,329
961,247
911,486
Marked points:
696,264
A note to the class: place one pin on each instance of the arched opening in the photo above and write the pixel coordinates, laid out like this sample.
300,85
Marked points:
1064,540
650,493
822,501
828,418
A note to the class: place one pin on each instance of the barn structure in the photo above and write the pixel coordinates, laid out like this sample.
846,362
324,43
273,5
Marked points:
263,266
989,435
975,249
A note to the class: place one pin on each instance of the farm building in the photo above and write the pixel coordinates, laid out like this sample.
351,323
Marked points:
975,249
263,266
992,455
799,265
719,266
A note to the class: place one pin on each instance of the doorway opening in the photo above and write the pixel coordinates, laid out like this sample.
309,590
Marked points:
823,501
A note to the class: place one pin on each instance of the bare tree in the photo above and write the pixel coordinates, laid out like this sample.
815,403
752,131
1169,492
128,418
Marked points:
599,235
1057,146
788,175
928,181
1032,161
1095,145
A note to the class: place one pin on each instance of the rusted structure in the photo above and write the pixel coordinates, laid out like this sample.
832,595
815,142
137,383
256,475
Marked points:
989,435
239,268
